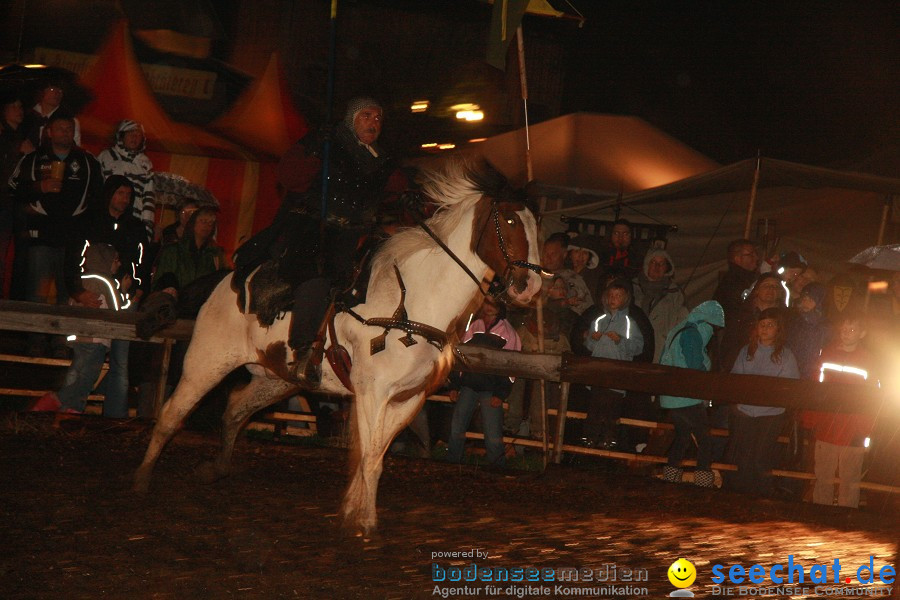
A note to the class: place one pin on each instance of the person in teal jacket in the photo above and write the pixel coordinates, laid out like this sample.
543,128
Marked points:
686,347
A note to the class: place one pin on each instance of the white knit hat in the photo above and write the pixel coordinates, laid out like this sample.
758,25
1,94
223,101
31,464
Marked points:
356,105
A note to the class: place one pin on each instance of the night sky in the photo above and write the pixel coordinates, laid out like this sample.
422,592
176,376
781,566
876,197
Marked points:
815,82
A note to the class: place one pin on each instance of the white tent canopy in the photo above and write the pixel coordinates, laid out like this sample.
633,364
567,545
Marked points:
826,215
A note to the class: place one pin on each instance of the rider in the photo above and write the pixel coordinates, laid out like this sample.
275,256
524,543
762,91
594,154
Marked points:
316,254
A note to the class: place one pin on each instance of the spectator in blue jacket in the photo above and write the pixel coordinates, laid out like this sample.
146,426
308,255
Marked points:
685,347
613,334
753,434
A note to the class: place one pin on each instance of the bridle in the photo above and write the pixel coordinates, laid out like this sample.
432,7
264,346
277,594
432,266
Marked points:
496,291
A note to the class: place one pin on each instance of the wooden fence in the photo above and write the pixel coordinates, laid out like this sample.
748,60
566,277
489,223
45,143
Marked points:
566,369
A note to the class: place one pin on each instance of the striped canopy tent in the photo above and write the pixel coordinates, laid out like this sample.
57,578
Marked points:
243,181
264,118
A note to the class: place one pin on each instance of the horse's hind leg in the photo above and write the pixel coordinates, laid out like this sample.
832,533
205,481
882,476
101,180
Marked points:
375,426
261,392
195,382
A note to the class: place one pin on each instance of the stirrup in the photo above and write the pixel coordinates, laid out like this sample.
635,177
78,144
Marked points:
304,369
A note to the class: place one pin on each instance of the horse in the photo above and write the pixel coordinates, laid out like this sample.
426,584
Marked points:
432,272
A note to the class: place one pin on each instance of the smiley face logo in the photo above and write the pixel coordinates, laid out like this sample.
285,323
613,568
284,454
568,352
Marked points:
682,573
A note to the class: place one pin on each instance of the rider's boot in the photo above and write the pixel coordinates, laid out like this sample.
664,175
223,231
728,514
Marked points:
306,367
310,305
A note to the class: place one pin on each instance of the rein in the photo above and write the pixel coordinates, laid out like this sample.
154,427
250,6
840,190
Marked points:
510,264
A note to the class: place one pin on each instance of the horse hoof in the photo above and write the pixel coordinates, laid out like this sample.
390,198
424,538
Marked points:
207,472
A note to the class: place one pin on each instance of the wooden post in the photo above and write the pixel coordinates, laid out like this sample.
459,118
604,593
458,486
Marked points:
163,378
752,203
561,422
885,213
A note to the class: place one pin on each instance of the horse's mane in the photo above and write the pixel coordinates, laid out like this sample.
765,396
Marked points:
454,188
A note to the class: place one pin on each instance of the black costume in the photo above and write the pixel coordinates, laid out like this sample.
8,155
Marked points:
311,261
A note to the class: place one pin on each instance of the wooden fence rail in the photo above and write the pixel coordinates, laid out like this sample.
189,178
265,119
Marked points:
566,368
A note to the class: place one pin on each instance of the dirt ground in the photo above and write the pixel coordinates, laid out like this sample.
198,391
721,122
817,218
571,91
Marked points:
71,527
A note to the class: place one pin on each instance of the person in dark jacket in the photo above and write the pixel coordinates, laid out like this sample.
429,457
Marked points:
55,187
808,330
743,269
13,146
116,225
469,390
316,251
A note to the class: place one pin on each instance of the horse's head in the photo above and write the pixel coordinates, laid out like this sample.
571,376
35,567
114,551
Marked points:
504,236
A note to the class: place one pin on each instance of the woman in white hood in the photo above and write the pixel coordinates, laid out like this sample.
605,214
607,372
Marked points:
658,295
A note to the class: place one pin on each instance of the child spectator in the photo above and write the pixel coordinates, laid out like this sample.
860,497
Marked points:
840,437
614,335
753,433
468,390
808,330
101,261
685,347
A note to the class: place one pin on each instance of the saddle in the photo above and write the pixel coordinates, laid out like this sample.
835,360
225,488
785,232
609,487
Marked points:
262,292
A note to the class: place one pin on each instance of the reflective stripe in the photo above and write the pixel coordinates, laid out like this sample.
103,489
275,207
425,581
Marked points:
596,326
842,369
627,327
787,294
87,245
112,290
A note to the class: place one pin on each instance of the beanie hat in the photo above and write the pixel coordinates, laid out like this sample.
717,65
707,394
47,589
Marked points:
356,105
816,291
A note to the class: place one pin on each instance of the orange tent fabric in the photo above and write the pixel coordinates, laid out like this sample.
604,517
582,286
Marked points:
244,183
264,117
591,152
121,91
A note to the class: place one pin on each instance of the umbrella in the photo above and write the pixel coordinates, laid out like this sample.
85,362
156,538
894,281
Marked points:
886,257
171,189
26,81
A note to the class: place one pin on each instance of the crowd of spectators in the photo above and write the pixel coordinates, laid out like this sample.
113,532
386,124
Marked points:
767,317
66,218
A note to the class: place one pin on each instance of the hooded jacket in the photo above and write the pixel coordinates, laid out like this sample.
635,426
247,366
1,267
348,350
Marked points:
662,300
137,167
96,276
685,346
51,217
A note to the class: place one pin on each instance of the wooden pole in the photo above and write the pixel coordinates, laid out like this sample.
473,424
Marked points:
529,171
660,379
559,440
752,203
885,213
523,84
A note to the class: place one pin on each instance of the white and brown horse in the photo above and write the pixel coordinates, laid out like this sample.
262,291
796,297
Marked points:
485,226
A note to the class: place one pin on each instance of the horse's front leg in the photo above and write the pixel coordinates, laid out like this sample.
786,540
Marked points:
375,426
